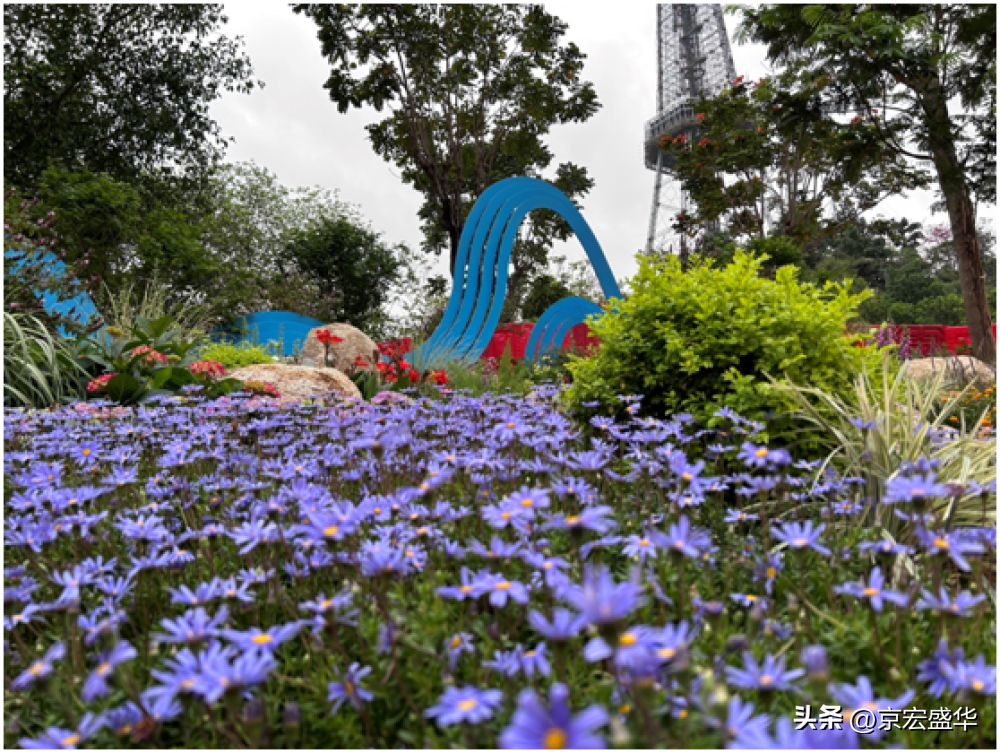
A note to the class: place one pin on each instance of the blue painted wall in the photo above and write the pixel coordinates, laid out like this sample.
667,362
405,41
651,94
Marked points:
283,326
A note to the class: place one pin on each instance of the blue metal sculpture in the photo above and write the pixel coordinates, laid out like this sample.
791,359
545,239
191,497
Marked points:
480,284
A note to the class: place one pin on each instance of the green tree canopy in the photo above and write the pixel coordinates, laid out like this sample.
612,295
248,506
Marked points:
471,90
352,268
925,75
117,89
769,158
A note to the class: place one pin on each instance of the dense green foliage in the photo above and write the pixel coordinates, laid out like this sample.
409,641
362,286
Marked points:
471,91
768,159
117,89
352,268
236,356
150,360
926,76
697,340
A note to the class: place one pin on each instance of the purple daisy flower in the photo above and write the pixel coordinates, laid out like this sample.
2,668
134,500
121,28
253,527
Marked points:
802,536
349,688
266,640
601,600
96,685
536,726
40,667
942,602
874,591
770,675
565,625
466,704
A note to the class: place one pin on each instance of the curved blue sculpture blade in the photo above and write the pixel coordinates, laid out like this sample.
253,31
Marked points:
480,283
555,323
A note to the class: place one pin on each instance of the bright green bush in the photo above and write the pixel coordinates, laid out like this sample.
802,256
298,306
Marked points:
695,341
236,356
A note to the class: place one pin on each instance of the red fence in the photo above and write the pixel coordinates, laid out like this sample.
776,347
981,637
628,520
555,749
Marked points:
927,338
931,338
516,336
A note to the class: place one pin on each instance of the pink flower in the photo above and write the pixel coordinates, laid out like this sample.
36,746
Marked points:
212,369
152,356
96,385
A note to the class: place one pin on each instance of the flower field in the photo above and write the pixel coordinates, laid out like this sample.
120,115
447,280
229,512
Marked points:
475,572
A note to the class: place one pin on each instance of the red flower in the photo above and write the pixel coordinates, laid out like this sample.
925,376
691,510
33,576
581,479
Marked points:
326,337
403,365
258,387
96,385
700,116
440,377
414,375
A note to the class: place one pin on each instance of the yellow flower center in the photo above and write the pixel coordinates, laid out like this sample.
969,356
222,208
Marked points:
682,714
468,704
770,572
330,531
547,565
424,487
666,653
510,424
378,511
103,669
687,476
555,739
262,639
643,542
977,685
326,604
456,641
502,585
628,639
624,708
298,468
761,453
67,742
86,453
572,520
349,688
36,668
505,515
187,684
871,591
527,502
466,589
530,654
800,542
941,543
766,679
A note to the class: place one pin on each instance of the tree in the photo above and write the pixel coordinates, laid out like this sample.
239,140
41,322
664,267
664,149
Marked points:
768,158
118,89
905,67
471,91
351,266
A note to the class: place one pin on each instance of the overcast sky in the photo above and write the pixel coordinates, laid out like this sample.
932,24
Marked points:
293,128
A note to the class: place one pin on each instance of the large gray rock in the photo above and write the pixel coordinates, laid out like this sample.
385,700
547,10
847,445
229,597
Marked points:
355,343
300,382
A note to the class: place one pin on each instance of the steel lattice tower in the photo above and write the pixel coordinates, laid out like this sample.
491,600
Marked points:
693,57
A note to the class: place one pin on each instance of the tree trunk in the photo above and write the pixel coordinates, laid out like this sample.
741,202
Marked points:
962,218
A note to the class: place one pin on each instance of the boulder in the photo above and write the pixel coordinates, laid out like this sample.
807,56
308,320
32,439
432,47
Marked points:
355,343
960,369
300,382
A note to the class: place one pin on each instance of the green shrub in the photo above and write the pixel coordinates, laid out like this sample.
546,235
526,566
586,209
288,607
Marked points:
236,356
695,341
39,369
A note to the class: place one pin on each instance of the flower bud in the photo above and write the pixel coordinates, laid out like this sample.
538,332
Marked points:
815,661
736,643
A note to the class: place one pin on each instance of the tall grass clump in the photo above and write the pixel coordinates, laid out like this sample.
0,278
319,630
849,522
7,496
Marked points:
887,423
151,299
39,367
